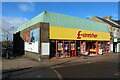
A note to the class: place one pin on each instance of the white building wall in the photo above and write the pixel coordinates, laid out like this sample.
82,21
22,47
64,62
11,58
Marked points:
118,47
111,47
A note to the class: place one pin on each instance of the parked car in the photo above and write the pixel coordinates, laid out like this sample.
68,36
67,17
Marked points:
3,52
7,51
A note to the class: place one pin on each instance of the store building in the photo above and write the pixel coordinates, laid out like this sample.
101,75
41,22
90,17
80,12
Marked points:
52,35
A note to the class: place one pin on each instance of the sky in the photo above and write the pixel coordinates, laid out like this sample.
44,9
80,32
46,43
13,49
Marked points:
17,13
28,10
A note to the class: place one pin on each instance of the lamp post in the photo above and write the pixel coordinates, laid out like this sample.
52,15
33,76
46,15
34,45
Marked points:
13,33
13,29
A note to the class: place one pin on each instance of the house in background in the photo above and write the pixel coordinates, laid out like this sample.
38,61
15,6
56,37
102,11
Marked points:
114,28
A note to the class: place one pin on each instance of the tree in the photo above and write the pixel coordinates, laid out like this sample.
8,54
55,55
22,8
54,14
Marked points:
6,43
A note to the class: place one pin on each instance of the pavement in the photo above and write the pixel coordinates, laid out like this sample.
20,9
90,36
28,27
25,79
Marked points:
26,63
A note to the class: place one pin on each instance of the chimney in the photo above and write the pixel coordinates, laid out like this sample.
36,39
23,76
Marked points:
107,17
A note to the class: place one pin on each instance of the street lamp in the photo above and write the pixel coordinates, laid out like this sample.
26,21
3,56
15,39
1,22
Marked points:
13,29
13,33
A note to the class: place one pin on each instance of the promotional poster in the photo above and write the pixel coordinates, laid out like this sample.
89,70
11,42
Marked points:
31,40
60,47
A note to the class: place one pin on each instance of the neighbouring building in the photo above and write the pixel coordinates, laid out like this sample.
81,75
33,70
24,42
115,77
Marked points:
114,28
52,35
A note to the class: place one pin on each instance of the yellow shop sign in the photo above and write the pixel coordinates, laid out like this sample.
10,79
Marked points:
77,34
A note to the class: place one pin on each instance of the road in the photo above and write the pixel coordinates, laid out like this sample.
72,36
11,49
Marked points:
74,69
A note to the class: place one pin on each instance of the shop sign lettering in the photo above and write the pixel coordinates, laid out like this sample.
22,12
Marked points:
88,35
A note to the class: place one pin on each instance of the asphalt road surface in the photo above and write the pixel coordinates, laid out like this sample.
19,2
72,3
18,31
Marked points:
102,69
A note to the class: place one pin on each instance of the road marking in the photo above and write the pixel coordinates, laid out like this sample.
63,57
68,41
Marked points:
117,74
38,76
58,74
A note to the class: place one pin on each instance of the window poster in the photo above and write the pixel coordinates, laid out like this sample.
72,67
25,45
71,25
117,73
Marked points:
31,40
72,46
60,46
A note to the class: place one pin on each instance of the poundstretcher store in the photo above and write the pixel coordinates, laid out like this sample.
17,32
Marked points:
52,35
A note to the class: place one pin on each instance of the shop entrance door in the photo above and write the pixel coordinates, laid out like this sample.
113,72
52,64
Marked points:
52,49
66,49
83,47
73,48
78,48
115,47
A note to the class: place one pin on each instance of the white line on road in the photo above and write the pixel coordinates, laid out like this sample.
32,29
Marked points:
58,74
117,74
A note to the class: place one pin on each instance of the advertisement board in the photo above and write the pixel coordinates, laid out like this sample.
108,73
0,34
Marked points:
45,48
31,40
100,51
